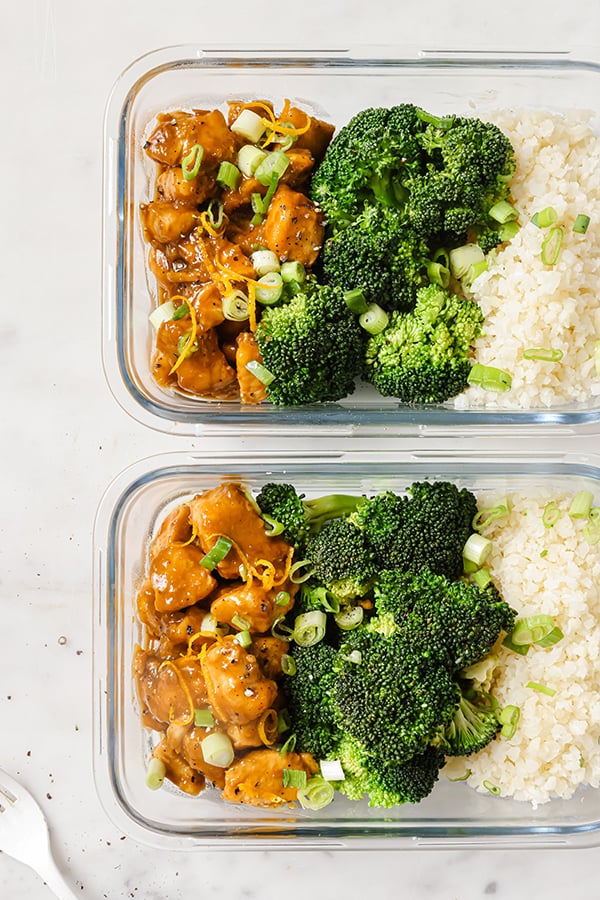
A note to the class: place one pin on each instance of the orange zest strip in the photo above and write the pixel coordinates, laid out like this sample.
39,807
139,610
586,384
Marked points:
206,224
190,717
267,573
190,341
257,104
252,307
267,727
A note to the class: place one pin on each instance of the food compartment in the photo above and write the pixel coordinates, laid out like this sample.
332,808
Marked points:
544,564
553,367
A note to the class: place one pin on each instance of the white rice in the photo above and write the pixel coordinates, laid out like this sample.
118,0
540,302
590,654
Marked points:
556,746
531,305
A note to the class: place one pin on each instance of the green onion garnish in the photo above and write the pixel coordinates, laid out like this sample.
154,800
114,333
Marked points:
273,527
317,794
215,213
486,516
182,345
294,778
509,718
542,688
477,549
181,312
155,774
309,628
508,231
190,164
280,630
581,223
269,288
541,630
581,505
374,319
217,749
235,306
164,313
293,270
462,258
591,532
265,261
259,371
551,245
489,378
521,649
282,598
289,745
438,274
543,354
249,125
240,622
274,163
288,664
283,721
545,217
503,212
218,553
203,718
464,777
301,571
243,638
492,788
356,301
349,618
249,158
551,514
228,175
481,577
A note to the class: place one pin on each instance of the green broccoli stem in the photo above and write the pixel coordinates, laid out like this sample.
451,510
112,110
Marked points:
329,506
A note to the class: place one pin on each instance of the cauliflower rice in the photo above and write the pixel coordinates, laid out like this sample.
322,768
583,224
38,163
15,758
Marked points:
527,304
555,571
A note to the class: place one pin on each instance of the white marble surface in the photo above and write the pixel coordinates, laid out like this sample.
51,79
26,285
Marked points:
64,438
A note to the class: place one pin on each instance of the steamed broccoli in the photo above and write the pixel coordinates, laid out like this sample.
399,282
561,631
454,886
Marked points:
342,559
310,705
378,254
422,356
281,502
473,726
311,345
429,526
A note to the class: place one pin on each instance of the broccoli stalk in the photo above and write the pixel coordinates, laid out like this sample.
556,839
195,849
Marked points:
300,517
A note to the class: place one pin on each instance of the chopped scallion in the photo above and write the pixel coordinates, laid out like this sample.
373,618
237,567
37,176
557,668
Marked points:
269,288
181,312
492,788
301,571
462,258
162,313
374,319
508,231
274,163
438,273
551,514
489,378
317,794
228,175
235,306
217,749
282,598
581,505
259,371
543,354
355,301
331,770
581,224
219,552
545,217
190,164
249,125
243,638
349,618
288,664
477,549
503,212
541,688
249,158
293,270
481,577
203,718
155,774
264,262
309,628
486,516
294,778
551,245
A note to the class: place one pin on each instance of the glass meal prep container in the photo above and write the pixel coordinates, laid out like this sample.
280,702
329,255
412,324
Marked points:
332,85
453,815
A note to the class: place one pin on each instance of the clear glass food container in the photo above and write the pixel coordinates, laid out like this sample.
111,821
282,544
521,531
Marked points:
333,85
454,815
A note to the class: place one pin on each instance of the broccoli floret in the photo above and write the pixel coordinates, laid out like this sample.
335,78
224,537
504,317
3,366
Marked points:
389,699
282,503
473,726
378,254
310,705
342,559
422,356
429,526
369,161
311,345
454,623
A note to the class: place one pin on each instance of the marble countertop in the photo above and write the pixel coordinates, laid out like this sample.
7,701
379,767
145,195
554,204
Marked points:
64,438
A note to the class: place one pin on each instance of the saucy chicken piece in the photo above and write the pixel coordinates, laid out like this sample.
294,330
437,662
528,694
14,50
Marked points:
174,629
186,741
205,372
234,108
166,220
293,228
244,737
178,770
253,603
237,690
172,185
300,167
177,132
257,777
178,578
175,528
318,136
252,389
268,651
165,687
226,510
207,302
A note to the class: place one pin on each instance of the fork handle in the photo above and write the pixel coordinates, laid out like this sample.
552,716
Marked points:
54,879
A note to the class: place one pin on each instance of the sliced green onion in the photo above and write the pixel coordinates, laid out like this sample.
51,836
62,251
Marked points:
438,274
181,312
541,688
240,622
283,721
289,745
203,718
228,175
462,258
551,245
301,571
543,354
155,774
356,301
322,596
182,346
591,532
551,514
220,550
508,231
545,217
477,549
474,272
489,378
485,517
503,212
288,664
280,630
349,618
217,749
269,288
492,788
581,505
282,598
469,568
265,261
481,577
521,649
374,319
294,778
509,718
249,158
309,628
331,770
214,212
163,313
553,637
464,777
317,794
259,371
581,224
441,256
274,163
210,623
273,526
190,164
293,270
235,306
249,125
243,638
541,630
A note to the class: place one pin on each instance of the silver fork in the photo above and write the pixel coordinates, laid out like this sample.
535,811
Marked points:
24,835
